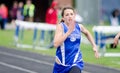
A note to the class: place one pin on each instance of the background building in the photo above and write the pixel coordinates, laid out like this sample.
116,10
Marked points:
89,10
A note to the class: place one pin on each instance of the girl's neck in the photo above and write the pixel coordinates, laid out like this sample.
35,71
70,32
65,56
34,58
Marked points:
67,24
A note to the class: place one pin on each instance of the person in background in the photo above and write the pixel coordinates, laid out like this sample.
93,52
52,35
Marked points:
20,15
59,9
29,10
67,40
1,24
78,18
116,39
51,18
13,12
114,19
51,14
4,15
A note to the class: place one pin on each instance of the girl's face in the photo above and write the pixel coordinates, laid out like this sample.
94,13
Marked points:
69,16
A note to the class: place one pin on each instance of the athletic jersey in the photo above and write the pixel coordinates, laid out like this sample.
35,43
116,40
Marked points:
68,54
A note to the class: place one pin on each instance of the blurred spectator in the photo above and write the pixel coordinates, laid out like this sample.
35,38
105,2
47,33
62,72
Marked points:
13,11
78,18
59,13
3,15
51,18
114,19
28,11
20,11
51,14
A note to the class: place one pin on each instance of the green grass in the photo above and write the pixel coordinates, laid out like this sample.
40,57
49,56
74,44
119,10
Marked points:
6,37
88,56
7,40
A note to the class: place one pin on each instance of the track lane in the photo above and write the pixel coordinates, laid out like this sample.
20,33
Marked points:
40,63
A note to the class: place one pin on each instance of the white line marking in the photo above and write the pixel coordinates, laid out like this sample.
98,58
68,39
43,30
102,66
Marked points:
112,54
30,59
16,67
26,58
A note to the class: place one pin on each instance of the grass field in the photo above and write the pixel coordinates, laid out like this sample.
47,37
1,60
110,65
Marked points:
7,40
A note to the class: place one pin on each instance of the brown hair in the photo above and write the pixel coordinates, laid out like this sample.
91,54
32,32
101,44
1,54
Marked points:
63,10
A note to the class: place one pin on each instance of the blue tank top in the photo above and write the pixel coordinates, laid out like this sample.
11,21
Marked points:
69,53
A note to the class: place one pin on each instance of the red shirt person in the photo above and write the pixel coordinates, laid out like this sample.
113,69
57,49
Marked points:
51,14
3,15
52,18
4,11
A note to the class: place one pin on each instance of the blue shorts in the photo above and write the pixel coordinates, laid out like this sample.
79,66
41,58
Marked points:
58,68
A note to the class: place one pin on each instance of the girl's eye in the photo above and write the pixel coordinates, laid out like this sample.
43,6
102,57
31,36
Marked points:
71,13
67,14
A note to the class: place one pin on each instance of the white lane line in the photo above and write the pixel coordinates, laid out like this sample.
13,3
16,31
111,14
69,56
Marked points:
30,59
16,67
26,58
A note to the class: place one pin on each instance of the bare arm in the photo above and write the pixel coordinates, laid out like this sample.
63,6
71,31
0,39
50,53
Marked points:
116,39
90,38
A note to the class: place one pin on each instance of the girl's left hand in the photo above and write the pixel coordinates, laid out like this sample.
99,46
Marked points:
96,53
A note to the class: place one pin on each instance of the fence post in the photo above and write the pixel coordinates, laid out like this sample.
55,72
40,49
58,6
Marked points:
34,37
16,35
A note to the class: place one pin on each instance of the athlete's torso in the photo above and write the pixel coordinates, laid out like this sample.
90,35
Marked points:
69,53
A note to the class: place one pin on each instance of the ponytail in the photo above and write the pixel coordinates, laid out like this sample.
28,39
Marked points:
62,20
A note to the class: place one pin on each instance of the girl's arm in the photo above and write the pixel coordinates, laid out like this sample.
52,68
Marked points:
116,39
60,36
90,38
